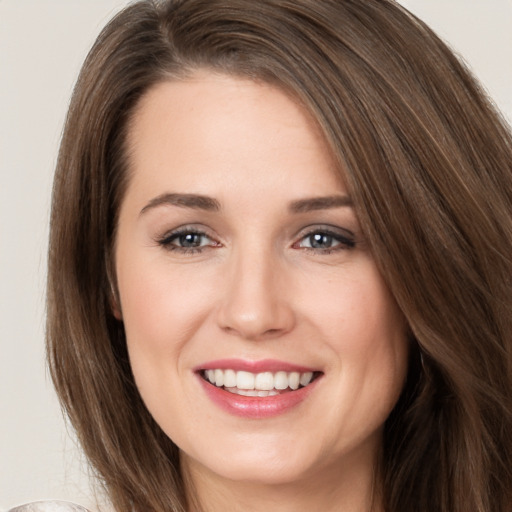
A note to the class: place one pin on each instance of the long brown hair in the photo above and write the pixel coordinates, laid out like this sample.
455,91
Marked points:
428,162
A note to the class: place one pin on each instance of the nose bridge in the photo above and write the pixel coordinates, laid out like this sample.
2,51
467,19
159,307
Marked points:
255,304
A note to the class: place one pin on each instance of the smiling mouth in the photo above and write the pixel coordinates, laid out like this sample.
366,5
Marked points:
258,384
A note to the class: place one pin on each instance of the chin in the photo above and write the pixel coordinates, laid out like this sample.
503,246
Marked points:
262,471
260,459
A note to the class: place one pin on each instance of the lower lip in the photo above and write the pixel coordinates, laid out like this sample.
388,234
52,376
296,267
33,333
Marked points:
256,407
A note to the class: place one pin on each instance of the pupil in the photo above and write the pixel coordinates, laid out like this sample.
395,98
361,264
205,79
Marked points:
190,240
320,241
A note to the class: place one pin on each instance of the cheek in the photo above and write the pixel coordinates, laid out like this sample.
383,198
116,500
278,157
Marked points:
367,336
161,309
159,305
375,339
356,311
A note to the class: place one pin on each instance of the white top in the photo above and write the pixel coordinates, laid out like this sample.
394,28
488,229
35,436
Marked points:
49,506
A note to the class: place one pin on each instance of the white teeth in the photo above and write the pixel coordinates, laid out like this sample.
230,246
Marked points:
271,392
252,392
219,378
261,384
247,392
305,378
264,381
244,380
294,380
229,378
281,380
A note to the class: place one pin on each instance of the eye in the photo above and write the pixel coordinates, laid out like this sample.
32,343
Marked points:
187,240
326,241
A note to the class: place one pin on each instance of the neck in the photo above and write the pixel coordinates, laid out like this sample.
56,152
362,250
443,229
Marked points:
351,488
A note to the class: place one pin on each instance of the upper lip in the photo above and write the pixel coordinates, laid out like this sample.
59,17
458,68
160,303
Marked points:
260,366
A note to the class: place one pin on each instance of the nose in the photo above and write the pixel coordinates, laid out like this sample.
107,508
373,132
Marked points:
256,305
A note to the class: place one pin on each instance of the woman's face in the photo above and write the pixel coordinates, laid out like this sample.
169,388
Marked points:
242,270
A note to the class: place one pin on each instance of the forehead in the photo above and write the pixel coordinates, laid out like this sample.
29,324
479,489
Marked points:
213,129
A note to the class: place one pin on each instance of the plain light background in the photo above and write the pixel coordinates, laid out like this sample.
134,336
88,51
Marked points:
42,45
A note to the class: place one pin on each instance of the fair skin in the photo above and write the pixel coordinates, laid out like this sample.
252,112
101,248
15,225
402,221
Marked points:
226,260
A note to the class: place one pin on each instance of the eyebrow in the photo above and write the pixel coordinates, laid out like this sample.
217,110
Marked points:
200,202
319,203
193,201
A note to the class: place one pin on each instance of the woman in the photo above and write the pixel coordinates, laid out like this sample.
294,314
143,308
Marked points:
280,263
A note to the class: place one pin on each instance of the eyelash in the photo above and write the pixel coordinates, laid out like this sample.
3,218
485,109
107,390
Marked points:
345,242
167,241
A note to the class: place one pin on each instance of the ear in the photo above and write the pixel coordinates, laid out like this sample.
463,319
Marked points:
115,307
113,293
